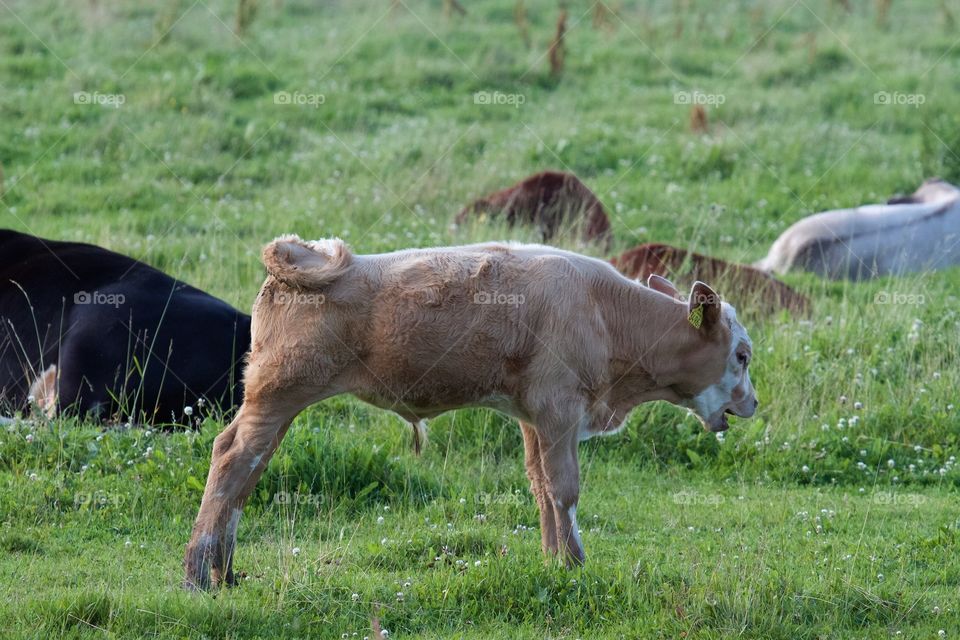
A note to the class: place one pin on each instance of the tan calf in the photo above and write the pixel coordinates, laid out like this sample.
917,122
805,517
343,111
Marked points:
562,342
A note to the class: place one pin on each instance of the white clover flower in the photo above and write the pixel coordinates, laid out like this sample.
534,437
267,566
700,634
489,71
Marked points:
805,469
295,551
188,410
355,597
857,406
379,519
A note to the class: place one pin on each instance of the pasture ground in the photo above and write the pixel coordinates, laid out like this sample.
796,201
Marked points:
152,129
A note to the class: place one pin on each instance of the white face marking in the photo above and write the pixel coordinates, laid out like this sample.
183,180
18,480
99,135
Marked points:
712,401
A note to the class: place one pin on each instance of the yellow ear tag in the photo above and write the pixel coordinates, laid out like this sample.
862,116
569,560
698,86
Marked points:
696,317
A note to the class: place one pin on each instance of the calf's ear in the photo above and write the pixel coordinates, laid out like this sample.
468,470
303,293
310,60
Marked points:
661,284
703,307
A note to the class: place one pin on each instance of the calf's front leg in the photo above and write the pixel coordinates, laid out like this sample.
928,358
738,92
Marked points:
561,473
531,459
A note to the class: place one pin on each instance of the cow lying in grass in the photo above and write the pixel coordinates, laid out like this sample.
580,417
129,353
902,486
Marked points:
557,203
765,293
93,332
560,341
920,232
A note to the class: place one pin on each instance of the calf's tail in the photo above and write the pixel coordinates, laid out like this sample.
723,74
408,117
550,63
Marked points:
306,265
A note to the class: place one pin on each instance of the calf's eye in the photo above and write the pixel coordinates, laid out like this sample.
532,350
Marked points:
743,359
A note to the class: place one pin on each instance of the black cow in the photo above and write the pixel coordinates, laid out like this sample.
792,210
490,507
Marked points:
126,340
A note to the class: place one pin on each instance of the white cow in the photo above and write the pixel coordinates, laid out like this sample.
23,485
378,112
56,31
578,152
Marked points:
920,232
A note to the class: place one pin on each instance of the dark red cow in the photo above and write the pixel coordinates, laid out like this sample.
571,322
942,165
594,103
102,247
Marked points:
558,203
746,287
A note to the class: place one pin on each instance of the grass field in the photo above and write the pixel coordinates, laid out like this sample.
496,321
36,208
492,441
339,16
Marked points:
154,130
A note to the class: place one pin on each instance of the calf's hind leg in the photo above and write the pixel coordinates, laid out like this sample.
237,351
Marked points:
240,454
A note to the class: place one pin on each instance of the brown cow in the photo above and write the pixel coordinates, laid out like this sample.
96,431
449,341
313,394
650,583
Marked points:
745,284
560,341
554,201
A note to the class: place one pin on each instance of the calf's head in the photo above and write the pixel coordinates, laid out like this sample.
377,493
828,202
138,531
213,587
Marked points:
714,378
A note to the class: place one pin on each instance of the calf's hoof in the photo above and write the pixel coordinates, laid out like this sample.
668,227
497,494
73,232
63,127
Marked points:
196,565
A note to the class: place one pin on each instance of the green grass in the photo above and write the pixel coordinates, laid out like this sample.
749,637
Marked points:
781,530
